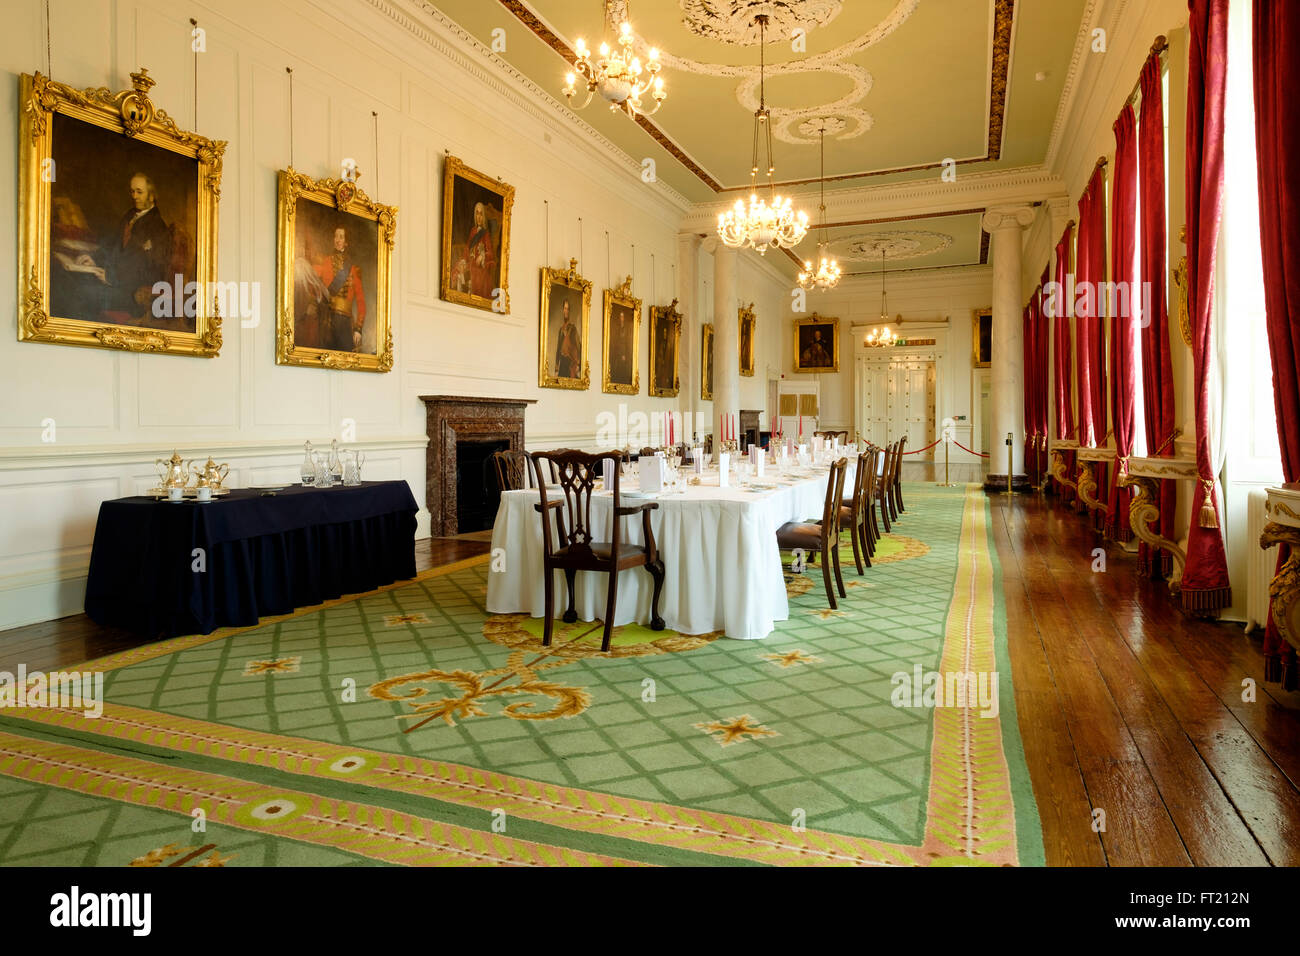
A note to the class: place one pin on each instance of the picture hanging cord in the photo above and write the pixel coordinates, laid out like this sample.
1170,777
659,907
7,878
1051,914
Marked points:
581,257
289,70
654,277
375,116
609,268
194,47
49,56
546,229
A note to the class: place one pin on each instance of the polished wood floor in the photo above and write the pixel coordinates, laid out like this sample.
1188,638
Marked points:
1125,705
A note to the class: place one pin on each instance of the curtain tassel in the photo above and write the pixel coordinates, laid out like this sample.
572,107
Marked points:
1209,518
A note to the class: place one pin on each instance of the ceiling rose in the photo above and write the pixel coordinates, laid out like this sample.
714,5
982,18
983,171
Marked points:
732,21
909,244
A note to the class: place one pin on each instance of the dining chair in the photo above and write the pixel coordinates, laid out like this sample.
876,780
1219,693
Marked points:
513,471
897,497
821,537
869,525
854,510
831,433
884,484
572,548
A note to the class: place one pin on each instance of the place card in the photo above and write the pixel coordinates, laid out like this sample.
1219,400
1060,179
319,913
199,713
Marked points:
652,472
698,462
758,458
724,468
804,460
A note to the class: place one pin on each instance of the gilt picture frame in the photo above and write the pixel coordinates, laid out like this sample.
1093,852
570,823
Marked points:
562,337
665,341
333,275
621,372
706,362
748,327
817,344
982,337
475,238
117,222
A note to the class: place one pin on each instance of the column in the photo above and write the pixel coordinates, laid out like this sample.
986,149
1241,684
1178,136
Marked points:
1005,224
687,292
1059,211
726,338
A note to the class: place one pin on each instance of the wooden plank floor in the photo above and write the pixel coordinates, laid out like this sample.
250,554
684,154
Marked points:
1125,705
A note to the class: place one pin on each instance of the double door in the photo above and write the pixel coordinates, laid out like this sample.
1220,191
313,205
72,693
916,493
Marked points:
898,398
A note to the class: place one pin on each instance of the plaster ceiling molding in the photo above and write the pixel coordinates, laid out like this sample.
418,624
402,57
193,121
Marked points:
894,245
732,21
1065,105
727,18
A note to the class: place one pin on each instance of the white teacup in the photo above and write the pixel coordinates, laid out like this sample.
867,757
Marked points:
175,493
204,493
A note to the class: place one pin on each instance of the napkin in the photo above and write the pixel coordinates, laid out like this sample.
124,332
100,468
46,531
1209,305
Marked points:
758,457
724,465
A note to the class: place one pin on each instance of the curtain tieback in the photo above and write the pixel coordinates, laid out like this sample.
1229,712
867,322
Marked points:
1208,517
1165,444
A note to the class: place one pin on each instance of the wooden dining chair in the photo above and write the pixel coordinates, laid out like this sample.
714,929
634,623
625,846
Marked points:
821,537
853,514
513,470
832,433
571,549
897,497
869,526
884,485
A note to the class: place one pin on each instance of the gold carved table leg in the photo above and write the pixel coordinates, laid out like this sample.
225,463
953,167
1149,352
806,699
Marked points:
1059,473
1144,518
1088,487
1285,589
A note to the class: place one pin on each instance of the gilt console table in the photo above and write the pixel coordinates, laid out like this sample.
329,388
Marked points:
1060,447
1144,510
1282,506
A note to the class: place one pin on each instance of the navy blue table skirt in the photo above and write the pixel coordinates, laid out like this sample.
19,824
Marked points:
262,555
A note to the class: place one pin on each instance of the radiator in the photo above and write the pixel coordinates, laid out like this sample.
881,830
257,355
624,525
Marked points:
1260,564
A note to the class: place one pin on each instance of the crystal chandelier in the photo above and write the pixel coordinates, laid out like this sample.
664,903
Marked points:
772,222
827,274
618,76
882,336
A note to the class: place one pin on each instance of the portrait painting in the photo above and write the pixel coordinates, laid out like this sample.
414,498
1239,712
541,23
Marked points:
982,338
706,362
475,238
622,334
665,336
118,222
816,344
335,247
562,338
748,323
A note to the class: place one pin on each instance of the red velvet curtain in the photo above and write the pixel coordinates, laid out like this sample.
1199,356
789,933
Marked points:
1277,145
1091,272
1157,370
1123,311
1063,347
1205,585
1035,354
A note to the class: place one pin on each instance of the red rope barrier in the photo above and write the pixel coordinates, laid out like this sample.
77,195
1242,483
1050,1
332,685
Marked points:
964,448
926,448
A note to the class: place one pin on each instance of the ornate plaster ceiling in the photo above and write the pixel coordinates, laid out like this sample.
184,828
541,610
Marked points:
905,84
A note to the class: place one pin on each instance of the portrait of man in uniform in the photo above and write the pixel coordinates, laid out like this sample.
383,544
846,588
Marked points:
475,237
334,275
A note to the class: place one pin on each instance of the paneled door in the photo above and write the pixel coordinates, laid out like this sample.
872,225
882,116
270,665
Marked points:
898,398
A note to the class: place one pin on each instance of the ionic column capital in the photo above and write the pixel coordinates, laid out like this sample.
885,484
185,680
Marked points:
1007,217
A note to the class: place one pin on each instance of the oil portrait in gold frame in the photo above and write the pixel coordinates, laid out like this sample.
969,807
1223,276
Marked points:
817,344
117,222
475,238
665,337
333,275
748,326
622,339
706,362
562,336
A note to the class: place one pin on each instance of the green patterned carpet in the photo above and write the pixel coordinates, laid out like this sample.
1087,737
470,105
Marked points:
409,726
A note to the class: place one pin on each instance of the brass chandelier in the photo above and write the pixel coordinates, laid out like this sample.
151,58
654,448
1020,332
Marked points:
618,76
882,336
827,274
763,223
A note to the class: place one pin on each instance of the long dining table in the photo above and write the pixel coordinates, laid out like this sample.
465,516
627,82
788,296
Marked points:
722,564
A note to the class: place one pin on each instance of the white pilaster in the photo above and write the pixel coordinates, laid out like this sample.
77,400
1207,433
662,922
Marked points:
1006,226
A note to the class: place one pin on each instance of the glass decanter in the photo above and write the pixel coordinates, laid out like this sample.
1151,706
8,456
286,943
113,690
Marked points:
335,464
308,469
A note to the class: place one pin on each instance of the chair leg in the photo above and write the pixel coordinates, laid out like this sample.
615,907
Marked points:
826,579
884,513
867,549
610,600
857,553
839,578
898,495
550,608
656,569
571,615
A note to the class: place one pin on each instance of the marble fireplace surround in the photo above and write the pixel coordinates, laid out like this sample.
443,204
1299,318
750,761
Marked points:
452,418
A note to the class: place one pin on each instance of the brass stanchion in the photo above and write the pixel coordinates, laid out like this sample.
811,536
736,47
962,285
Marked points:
1010,466
947,447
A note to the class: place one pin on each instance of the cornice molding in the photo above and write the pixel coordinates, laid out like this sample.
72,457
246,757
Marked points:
456,44
1070,89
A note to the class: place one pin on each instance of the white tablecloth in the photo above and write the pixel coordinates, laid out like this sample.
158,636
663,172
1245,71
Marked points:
722,565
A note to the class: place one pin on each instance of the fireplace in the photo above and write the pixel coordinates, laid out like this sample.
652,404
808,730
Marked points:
479,426
477,490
